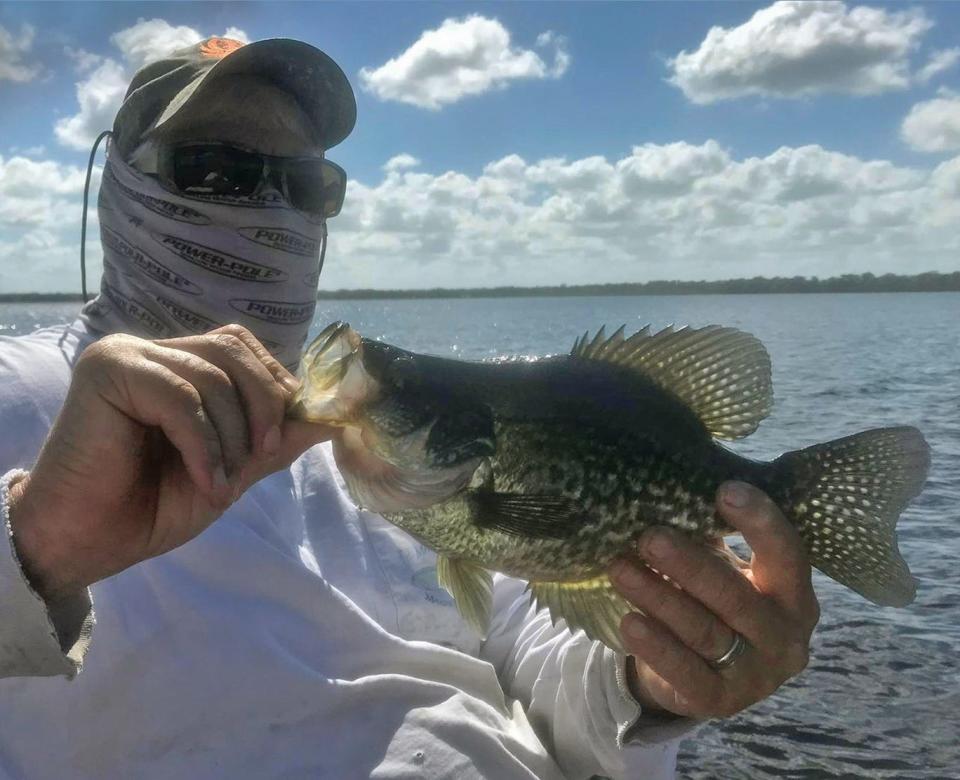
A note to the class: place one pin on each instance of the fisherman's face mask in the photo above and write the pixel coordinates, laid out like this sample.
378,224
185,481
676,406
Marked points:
175,266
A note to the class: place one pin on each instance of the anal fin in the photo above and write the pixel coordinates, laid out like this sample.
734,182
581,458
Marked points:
593,605
471,587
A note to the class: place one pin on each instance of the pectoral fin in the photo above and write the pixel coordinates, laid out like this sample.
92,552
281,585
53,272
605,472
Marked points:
471,587
593,605
543,517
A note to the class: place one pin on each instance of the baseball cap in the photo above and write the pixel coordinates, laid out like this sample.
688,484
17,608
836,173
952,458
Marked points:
177,84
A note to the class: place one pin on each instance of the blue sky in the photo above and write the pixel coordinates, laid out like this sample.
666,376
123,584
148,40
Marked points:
612,142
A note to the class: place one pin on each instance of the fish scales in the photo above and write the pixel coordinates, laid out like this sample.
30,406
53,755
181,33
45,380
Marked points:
550,469
621,495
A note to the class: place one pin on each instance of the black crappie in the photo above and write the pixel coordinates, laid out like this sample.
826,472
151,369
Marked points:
549,469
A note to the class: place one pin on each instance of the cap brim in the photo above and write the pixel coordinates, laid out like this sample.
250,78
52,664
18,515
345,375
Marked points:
316,81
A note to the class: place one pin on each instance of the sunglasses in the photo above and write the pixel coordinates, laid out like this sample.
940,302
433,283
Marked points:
310,184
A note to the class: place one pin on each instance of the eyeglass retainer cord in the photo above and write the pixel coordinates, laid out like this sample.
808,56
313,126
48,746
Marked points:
83,220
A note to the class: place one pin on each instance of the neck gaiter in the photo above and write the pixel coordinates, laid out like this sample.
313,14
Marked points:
175,266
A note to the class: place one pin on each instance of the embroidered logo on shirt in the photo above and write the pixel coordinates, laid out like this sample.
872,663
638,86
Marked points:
426,580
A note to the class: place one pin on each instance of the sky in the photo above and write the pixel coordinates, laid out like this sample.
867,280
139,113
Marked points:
540,143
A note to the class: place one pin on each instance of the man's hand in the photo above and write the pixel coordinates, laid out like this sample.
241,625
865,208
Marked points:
154,441
690,619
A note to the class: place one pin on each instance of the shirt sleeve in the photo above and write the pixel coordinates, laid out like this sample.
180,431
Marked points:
575,693
36,639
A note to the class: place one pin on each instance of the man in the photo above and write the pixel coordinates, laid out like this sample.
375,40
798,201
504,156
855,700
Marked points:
251,622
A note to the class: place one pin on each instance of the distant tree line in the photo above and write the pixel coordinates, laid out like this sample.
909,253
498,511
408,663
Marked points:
848,283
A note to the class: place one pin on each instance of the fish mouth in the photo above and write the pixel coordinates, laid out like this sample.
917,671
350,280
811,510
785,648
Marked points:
333,382
401,444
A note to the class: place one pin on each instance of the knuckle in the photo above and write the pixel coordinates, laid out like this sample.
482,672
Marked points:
233,329
104,350
229,342
215,377
187,396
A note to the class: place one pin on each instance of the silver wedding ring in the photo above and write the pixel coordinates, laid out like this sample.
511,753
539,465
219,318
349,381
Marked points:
730,657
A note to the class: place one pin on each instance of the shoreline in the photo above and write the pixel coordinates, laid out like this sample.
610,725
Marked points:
850,283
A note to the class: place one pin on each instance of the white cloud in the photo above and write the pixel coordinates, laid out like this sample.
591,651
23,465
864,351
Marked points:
939,62
12,49
793,48
40,225
400,162
460,58
29,151
83,60
678,210
934,125
99,96
101,93
152,39
663,211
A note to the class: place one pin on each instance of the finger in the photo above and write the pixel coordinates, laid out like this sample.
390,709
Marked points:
220,399
714,582
279,372
264,398
688,619
297,437
780,564
154,395
686,684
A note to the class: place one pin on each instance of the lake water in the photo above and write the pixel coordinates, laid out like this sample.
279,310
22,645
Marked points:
881,697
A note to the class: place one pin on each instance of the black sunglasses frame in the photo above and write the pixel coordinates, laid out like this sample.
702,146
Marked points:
272,167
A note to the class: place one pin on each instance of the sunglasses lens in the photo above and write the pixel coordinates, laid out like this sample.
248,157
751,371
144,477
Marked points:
316,186
216,170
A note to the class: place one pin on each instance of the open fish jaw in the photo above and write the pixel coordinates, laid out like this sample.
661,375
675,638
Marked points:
334,383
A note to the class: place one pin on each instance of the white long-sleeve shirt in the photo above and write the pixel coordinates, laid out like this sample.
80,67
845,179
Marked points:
296,637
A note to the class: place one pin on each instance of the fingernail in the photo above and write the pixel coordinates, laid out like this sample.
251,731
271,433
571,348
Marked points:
635,627
656,544
219,478
736,494
271,441
291,384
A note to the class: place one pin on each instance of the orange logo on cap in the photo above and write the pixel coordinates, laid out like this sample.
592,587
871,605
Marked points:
218,48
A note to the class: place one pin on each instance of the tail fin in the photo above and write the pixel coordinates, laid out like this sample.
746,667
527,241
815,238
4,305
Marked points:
845,497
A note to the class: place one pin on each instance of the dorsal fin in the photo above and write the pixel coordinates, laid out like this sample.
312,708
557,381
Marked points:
723,374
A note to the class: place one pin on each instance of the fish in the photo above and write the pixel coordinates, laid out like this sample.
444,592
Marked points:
549,469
